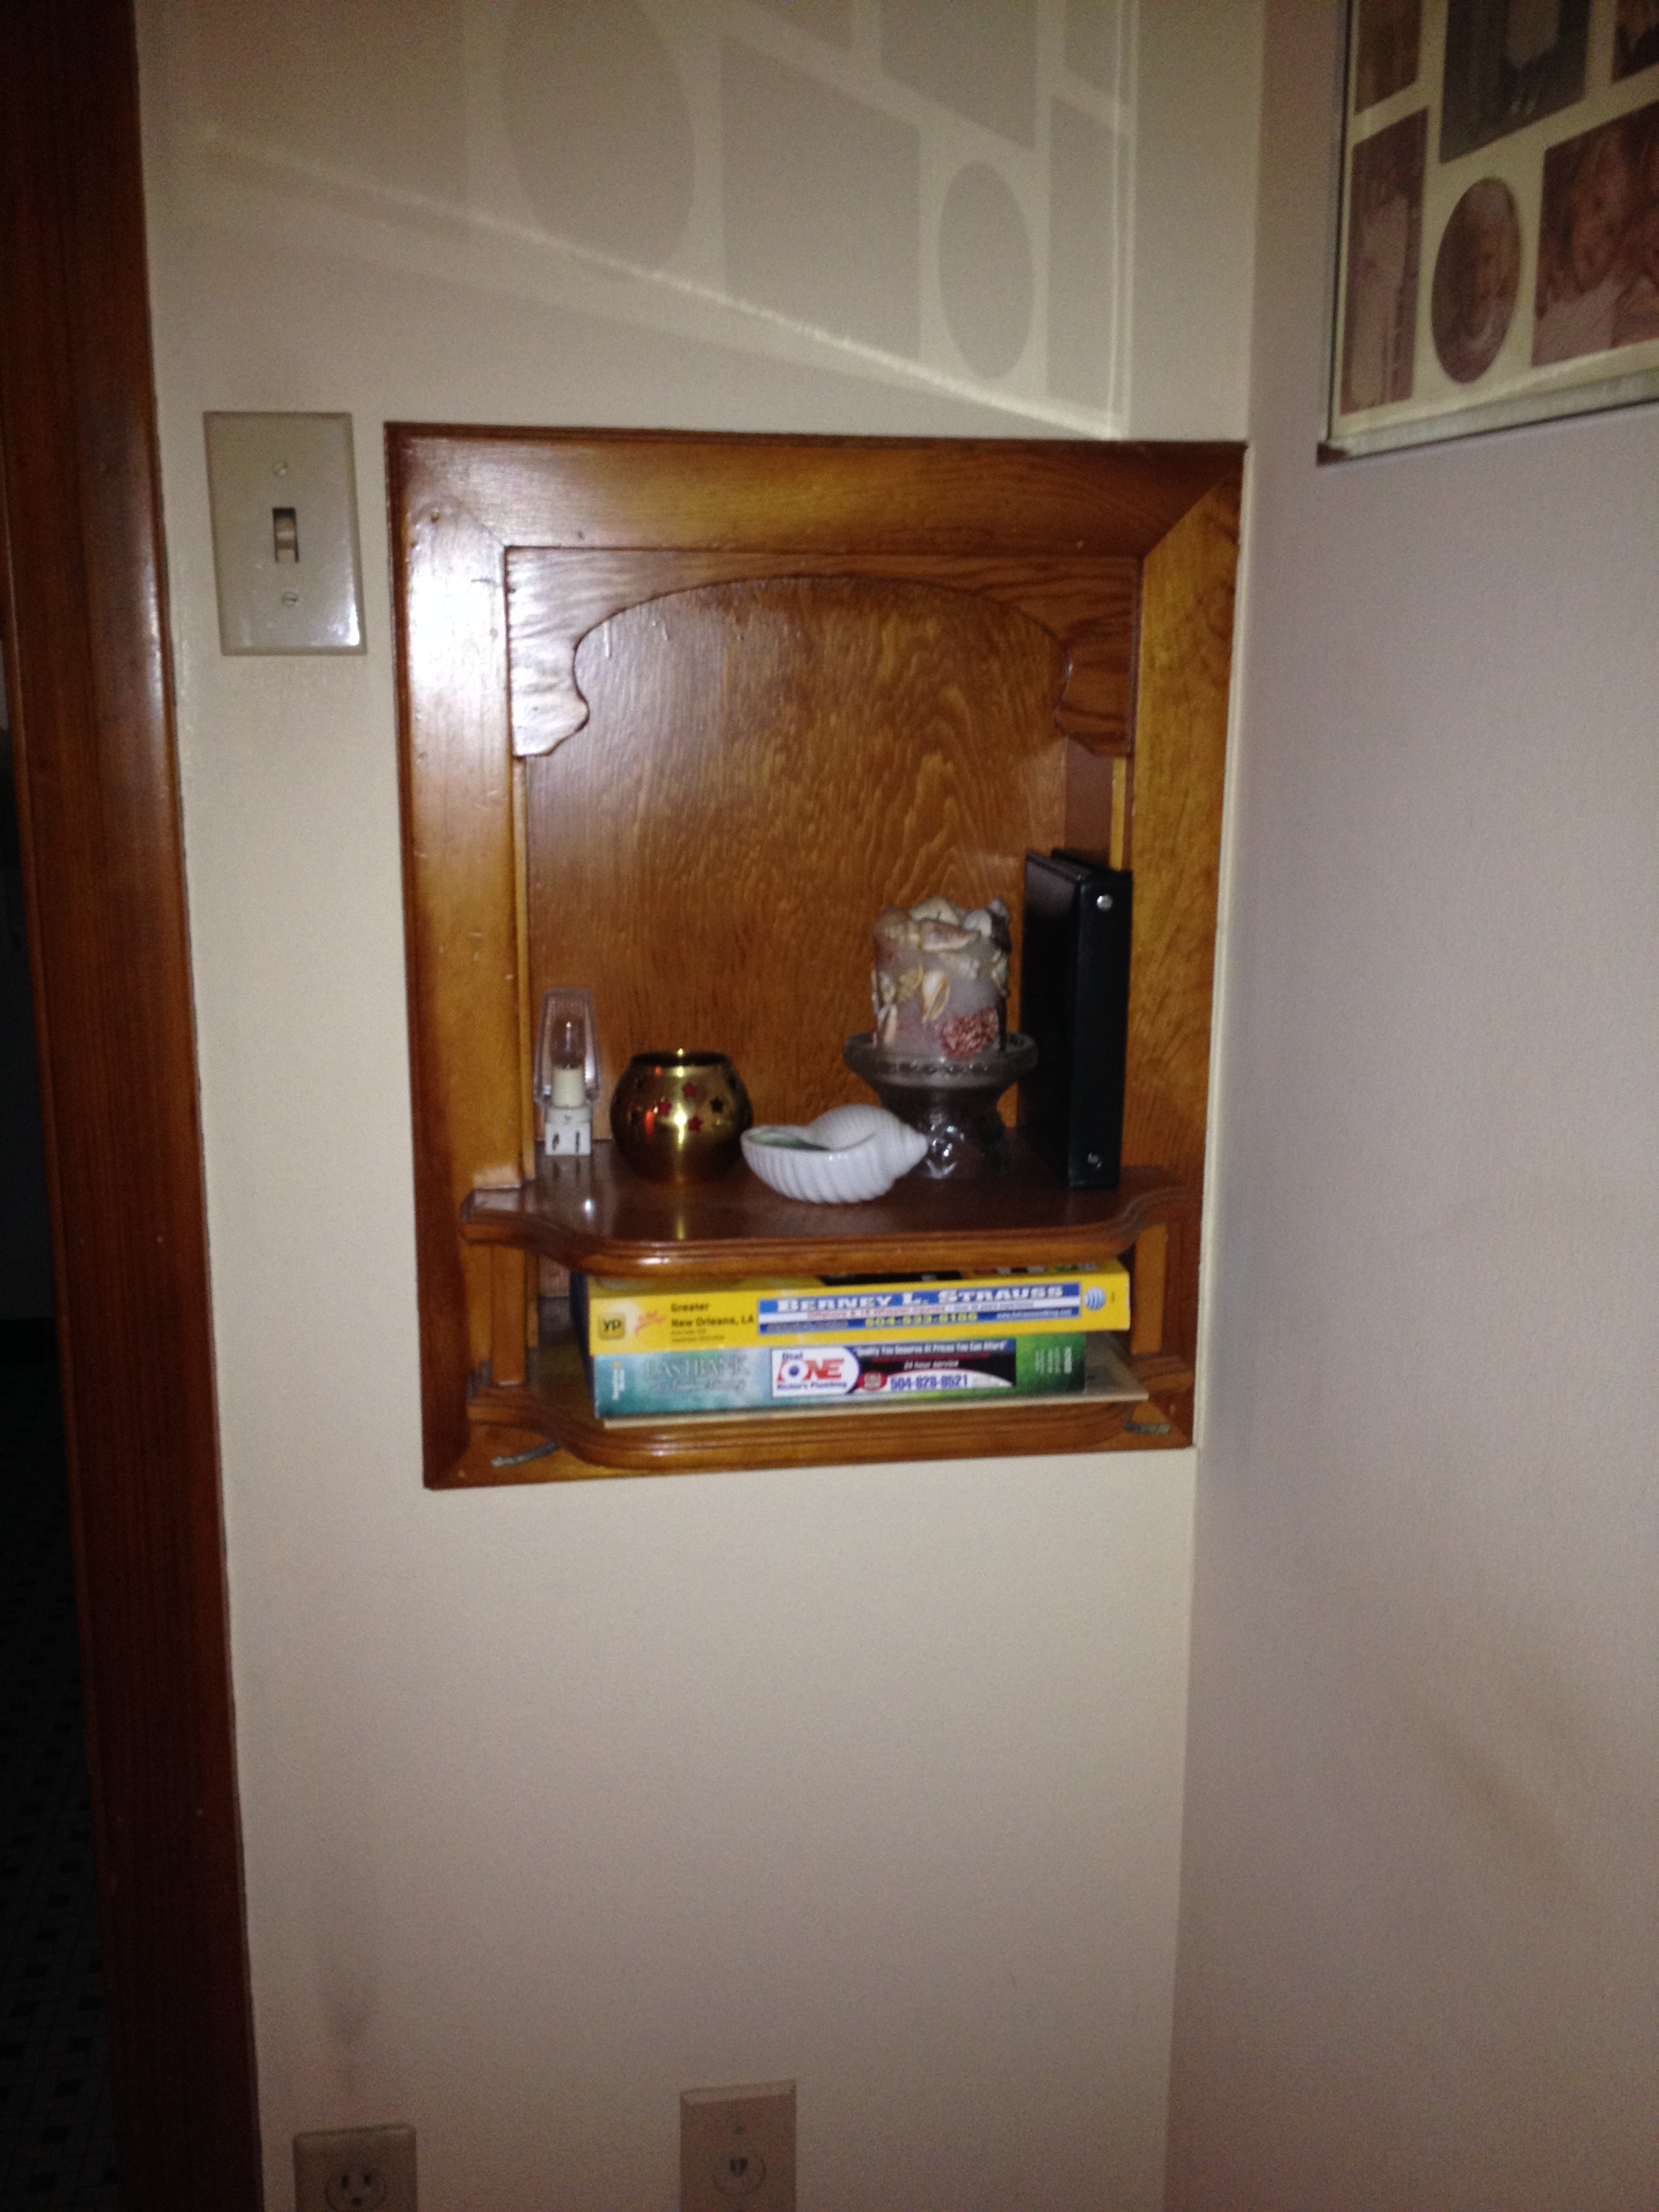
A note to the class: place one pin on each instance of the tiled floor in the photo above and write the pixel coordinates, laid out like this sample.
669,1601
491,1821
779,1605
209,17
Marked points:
57,2140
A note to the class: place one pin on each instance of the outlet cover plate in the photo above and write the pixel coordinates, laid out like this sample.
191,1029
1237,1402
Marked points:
738,2148
354,2170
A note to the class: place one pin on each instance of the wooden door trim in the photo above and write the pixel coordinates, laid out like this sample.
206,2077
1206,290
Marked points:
82,577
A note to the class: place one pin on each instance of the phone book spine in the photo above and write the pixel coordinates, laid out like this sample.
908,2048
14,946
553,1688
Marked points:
626,1317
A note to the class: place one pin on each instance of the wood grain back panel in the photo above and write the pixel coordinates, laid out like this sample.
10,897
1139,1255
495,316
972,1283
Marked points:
766,764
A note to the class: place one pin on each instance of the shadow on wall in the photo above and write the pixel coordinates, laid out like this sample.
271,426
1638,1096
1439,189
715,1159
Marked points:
935,190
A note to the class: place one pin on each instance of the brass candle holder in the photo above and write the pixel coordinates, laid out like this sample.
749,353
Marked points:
679,1117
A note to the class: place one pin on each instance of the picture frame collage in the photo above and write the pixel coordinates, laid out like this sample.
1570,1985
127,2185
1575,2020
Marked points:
1497,249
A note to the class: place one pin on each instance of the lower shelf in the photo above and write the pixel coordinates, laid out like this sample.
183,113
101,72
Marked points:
554,1404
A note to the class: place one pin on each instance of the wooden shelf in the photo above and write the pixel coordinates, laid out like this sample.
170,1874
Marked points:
553,1401
597,1215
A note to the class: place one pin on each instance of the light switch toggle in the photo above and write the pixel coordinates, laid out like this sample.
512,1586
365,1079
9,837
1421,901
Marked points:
283,495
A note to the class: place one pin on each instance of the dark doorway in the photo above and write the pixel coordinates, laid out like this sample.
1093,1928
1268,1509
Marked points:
57,2126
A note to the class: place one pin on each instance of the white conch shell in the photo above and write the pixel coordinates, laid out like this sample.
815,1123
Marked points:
935,991
936,909
894,1141
862,1151
978,921
887,1022
940,937
885,988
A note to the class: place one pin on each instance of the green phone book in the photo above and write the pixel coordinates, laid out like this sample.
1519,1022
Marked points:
748,1378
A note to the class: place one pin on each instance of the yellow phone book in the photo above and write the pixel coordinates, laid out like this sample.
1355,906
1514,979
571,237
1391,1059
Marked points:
806,1310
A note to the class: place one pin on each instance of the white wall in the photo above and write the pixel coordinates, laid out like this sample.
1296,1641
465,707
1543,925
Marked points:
559,1799
1420,1954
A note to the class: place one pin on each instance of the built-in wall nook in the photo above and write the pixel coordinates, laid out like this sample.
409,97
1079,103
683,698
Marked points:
678,714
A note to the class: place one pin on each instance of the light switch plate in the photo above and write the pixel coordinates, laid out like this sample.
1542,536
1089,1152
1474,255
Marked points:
738,2148
284,498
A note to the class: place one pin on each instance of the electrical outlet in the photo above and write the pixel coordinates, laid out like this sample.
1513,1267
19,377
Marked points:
354,2170
738,2148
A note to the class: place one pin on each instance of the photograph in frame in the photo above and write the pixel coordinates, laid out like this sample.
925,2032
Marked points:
1386,38
1379,323
1636,37
1508,62
1498,248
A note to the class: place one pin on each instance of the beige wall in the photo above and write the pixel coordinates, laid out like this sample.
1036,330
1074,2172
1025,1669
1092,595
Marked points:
559,1799
1419,1949
1198,99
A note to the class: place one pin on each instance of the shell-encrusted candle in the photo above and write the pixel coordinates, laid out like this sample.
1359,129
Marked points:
939,988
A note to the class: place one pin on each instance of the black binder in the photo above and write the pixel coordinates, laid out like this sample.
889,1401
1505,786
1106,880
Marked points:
1074,1004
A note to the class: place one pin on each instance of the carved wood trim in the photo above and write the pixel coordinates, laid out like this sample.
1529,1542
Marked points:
557,596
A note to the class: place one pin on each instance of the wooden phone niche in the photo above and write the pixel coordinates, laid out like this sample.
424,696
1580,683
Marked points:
676,715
